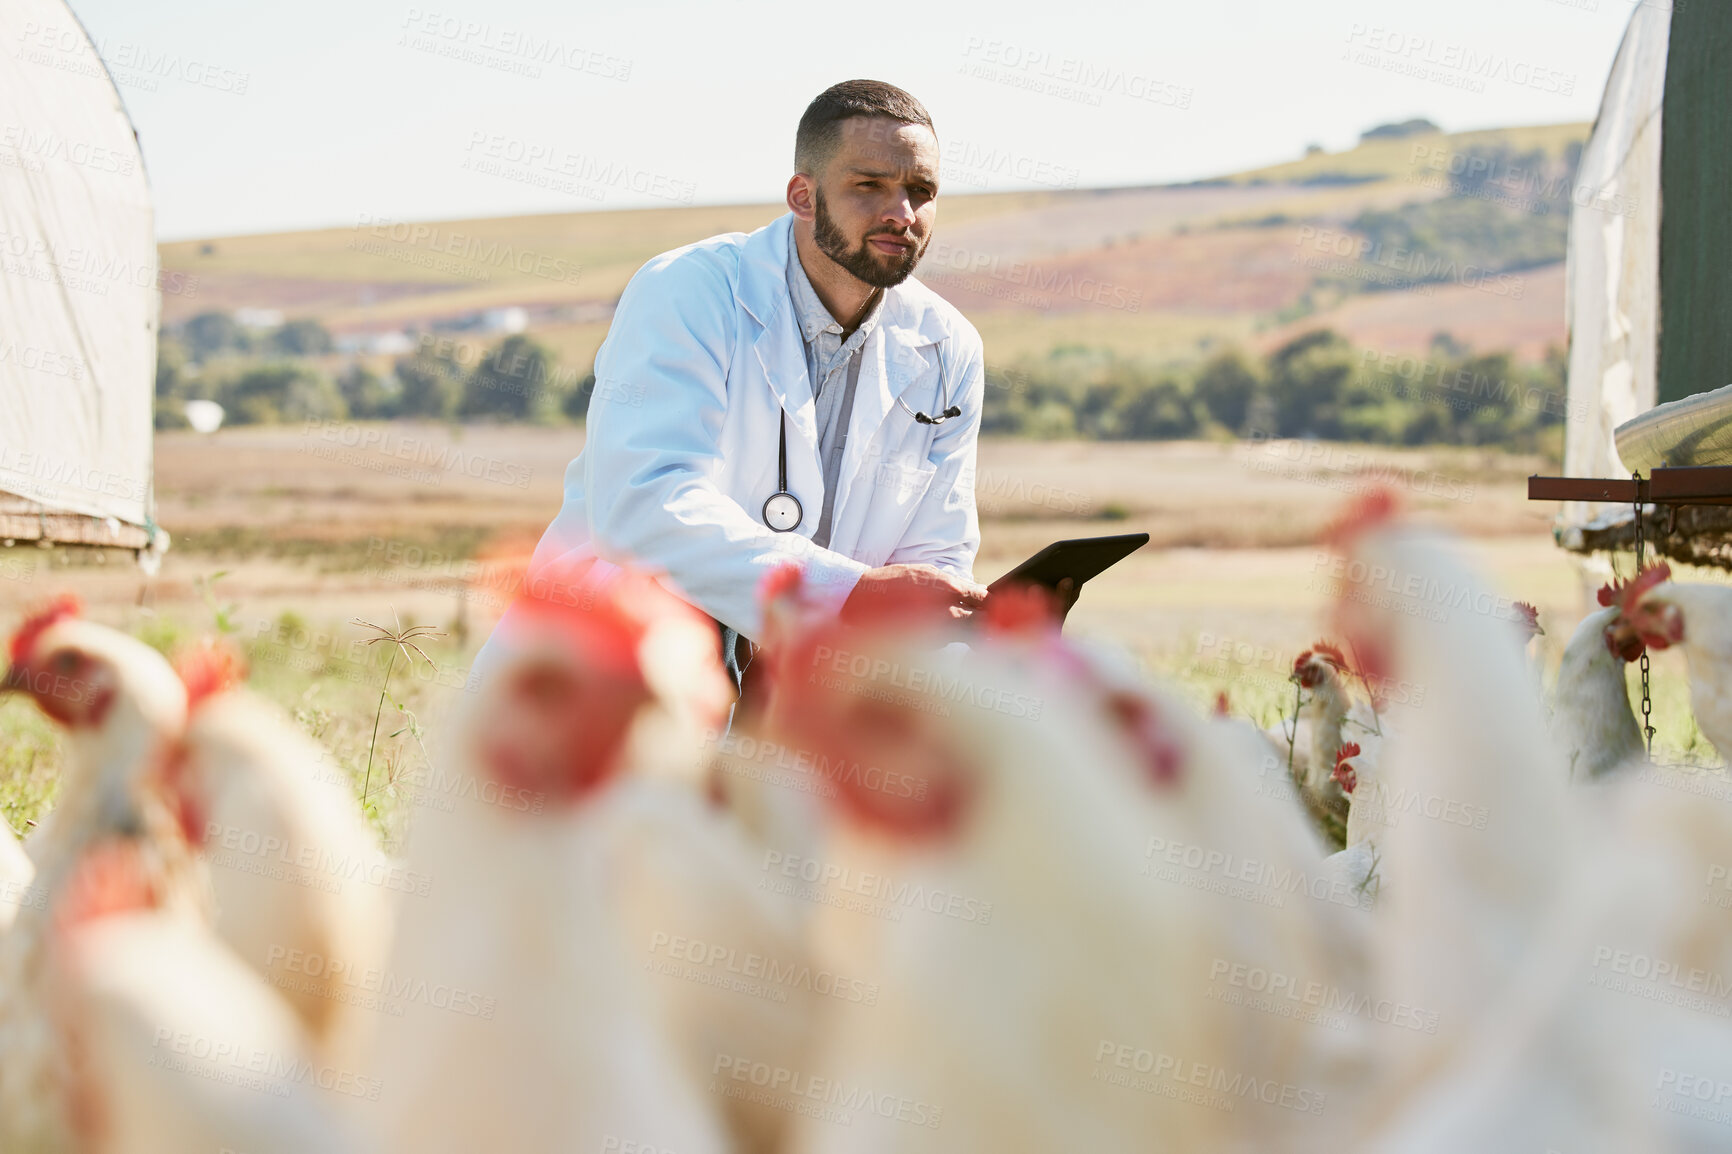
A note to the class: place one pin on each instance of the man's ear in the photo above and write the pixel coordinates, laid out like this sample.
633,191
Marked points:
802,196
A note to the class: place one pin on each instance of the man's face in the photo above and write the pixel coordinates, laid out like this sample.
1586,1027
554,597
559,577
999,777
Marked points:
877,199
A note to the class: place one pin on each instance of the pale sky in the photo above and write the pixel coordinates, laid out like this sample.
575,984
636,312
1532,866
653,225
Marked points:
267,117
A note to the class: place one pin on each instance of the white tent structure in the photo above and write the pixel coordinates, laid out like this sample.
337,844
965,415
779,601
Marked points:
1650,291
1613,280
79,299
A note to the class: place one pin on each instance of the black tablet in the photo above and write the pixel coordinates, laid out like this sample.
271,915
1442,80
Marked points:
1079,558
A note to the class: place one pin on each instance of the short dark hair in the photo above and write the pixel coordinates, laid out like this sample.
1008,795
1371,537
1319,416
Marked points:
820,128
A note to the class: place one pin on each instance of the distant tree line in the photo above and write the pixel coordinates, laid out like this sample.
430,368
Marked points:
1317,385
285,374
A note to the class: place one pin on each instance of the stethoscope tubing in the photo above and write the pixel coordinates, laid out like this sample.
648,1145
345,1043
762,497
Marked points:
945,413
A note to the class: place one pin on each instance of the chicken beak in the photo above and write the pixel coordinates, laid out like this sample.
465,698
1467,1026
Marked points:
1623,640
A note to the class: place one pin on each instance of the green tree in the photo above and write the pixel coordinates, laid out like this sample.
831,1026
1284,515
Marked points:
1308,379
171,378
301,338
368,395
430,383
171,382
1225,386
515,381
284,391
1162,411
214,332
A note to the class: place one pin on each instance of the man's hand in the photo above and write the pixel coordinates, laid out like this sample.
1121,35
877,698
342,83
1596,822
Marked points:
894,588
1065,594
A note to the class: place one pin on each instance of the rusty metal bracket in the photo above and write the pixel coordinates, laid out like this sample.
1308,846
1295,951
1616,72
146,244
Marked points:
1684,485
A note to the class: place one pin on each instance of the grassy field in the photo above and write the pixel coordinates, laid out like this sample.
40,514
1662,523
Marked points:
1407,158
284,535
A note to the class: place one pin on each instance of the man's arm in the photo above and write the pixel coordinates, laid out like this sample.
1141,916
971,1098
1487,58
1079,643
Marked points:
648,466
945,531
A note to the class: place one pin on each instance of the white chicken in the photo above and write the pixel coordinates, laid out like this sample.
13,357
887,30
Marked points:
1591,717
1484,921
1329,719
1373,807
171,1043
1698,620
567,889
1369,813
1661,954
119,703
17,871
296,876
1045,984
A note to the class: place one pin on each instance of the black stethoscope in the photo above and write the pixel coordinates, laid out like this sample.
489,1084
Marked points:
782,511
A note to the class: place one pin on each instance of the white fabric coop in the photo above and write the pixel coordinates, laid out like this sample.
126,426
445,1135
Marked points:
79,298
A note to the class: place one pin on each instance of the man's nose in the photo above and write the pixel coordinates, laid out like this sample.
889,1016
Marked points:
900,212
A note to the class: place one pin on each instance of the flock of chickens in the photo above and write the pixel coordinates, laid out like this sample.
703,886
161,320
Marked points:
960,887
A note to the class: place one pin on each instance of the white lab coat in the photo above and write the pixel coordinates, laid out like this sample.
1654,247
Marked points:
704,353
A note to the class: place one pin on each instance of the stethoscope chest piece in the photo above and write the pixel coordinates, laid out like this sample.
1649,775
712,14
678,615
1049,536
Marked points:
782,512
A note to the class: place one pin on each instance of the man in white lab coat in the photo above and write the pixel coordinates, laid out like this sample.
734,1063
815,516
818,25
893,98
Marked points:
808,334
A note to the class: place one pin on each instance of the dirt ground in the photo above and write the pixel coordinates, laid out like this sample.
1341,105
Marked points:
284,537
331,521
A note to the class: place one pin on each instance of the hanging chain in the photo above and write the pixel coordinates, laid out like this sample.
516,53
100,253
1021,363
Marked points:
1641,551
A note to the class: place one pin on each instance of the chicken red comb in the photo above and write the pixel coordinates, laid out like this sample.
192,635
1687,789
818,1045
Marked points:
1625,594
1528,617
1163,759
1345,773
1361,515
207,669
582,706
1022,609
606,617
1324,652
1330,653
818,702
59,609
783,582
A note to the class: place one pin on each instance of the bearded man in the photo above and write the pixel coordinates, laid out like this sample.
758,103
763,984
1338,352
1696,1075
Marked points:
791,394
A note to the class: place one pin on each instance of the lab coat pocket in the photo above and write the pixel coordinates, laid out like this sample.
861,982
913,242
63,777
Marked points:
899,485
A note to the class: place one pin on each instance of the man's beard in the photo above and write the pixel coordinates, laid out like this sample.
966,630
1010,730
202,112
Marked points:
861,261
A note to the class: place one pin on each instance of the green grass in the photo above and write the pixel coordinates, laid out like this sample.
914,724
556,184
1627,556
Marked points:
325,678
330,688
29,763
335,555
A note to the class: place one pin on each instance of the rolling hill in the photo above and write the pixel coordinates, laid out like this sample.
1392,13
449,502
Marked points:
1390,243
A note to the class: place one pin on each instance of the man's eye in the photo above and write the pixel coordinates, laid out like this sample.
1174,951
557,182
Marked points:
868,184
